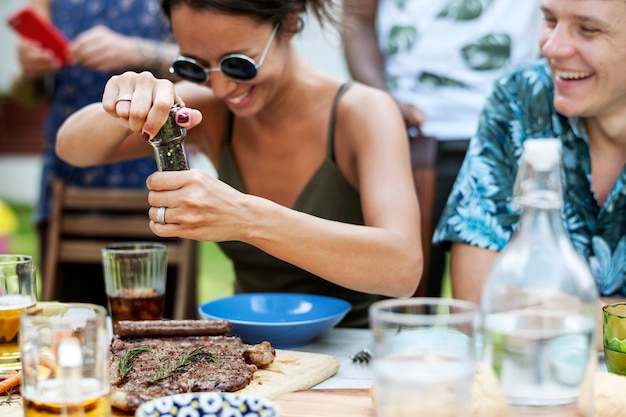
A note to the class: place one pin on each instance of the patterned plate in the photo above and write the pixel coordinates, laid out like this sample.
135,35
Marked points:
208,404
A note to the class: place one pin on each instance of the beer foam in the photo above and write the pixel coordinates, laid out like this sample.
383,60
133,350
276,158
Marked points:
11,302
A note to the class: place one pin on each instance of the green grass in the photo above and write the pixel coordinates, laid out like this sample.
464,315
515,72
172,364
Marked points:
24,240
215,275
215,272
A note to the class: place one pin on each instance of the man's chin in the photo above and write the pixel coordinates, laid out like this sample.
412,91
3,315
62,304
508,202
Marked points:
567,108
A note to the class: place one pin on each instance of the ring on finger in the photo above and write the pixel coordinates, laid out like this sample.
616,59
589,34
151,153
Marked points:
161,215
123,97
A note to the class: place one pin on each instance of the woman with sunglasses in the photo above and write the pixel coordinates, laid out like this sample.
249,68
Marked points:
315,192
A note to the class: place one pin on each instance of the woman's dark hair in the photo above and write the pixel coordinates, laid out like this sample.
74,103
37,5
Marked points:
272,11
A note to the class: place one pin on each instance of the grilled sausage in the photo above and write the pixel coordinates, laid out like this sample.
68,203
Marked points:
171,328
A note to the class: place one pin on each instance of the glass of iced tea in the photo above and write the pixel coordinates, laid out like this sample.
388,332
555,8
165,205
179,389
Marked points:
135,278
65,351
17,292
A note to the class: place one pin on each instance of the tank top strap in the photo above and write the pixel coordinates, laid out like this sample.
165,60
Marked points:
229,127
333,116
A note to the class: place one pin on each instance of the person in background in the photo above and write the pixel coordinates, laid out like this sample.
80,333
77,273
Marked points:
315,193
107,37
575,94
439,59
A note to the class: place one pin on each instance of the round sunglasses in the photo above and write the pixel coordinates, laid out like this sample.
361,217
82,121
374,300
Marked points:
239,67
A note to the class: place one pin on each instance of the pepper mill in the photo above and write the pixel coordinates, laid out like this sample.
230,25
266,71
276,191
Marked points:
169,151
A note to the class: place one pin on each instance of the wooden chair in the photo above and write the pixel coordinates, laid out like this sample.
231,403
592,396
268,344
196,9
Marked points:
423,159
83,220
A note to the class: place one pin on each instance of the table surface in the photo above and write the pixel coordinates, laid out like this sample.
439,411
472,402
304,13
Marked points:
343,344
339,342
349,385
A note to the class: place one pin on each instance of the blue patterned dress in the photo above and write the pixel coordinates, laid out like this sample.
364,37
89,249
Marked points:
479,208
75,87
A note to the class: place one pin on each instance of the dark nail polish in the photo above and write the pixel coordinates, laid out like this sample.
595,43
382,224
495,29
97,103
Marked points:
146,135
182,118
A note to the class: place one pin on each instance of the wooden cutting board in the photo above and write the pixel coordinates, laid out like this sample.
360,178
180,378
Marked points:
291,371
340,402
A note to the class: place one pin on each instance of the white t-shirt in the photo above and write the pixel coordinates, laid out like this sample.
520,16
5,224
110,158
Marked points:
444,55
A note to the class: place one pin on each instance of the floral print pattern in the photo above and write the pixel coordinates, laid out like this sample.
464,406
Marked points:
442,56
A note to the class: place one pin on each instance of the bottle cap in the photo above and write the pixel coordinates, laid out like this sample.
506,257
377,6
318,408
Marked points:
542,154
538,180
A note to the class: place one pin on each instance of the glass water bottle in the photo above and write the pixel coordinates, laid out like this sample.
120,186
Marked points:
540,299
169,150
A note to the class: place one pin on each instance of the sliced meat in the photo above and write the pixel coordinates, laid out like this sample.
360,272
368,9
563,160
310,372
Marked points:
145,368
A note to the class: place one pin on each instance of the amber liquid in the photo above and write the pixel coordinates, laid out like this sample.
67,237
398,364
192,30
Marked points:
137,304
94,407
11,306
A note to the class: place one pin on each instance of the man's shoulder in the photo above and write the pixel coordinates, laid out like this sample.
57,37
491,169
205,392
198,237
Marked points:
536,73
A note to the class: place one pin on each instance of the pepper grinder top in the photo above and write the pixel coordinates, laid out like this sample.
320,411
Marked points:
169,151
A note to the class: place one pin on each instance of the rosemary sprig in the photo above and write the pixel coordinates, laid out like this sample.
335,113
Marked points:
127,359
184,363
9,400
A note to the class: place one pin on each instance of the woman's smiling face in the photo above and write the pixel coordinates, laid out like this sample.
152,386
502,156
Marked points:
207,37
585,44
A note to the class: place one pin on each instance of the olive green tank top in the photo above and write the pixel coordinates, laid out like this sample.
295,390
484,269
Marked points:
327,195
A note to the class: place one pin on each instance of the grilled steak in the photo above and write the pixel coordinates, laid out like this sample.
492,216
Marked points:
145,368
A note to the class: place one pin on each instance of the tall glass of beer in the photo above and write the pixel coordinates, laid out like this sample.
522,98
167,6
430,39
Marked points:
17,292
65,351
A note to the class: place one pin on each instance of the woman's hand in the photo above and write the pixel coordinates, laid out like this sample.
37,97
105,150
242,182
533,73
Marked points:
101,49
197,206
142,103
413,117
36,62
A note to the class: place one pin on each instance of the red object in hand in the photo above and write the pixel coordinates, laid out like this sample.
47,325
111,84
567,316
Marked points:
33,26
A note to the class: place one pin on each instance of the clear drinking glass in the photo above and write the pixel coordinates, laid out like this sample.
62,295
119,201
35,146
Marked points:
424,356
65,351
135,276
17,292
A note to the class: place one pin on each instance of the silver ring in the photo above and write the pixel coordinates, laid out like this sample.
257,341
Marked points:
161,215
123,97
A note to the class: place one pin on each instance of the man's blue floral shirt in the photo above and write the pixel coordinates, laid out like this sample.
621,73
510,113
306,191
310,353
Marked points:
479,210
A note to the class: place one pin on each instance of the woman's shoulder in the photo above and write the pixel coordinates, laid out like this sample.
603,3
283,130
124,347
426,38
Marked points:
365,91
369,115
366,101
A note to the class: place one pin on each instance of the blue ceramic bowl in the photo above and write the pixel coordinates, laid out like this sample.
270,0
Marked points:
285,320
208,404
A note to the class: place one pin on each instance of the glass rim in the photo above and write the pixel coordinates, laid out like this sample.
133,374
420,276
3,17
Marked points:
119,247
382,311
39,307
10,258
607,309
